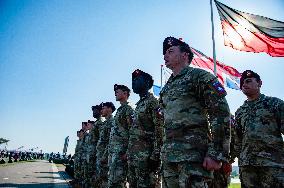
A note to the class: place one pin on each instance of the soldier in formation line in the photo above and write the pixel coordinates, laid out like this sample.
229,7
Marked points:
196,116
189,138
119,139
145,135
103,144
259,125
95,137
77,157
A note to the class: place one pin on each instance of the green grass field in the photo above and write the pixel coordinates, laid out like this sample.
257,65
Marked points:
235,185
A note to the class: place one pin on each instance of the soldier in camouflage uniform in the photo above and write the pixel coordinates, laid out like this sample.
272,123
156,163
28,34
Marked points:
119,139
84,155
95,137
88,173
196,120
259,125
77,157
102,147
145,135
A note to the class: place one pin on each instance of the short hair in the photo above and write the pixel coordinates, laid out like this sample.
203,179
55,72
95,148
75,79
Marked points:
109,105
122,87
183,48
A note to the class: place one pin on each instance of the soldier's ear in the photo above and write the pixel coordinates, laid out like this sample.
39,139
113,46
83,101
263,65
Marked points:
185,55
259,83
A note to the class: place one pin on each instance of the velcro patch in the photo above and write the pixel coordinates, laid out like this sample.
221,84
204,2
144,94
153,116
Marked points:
218,88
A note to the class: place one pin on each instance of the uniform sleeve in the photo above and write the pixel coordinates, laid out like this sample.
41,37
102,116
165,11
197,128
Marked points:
280,116
234,146
128,122
95,133
107,136
238,135
76,150
157,117
212,96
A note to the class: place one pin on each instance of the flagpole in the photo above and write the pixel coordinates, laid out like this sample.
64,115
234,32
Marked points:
161,76
213,40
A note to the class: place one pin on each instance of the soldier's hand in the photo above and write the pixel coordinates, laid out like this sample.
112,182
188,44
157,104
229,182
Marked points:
210,164
227,168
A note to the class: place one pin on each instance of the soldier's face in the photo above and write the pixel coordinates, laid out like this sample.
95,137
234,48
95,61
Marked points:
251,86
104,111
81,134
173,57
84,126
89,126
139,85
96,113
119,94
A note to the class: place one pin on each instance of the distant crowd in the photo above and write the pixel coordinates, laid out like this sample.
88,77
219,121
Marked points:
14,156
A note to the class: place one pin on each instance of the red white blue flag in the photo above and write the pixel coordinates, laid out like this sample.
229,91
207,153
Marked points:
227,75
252,33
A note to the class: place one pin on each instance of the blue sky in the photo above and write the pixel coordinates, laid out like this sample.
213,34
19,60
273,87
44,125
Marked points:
58,58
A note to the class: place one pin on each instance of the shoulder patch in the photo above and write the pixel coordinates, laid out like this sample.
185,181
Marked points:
218,88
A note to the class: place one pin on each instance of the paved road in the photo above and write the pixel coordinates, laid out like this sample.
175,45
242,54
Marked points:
36,174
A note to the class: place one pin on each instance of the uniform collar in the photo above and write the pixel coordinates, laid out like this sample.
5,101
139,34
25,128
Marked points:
181,73
123,104
108,117
144,97
259,99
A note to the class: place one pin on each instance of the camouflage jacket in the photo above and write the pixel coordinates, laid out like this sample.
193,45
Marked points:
233,146
120,132
259,127
84,145
95,132
88,139
145,134
197,117
78,150
102,145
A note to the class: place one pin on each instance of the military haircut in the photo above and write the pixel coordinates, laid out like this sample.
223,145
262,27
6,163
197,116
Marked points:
122,88
183,48
109,105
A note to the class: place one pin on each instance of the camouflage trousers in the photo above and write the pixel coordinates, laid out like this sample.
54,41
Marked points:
117,171
253,176
220,180
84,167
77,169
89,167
185,175
101,174
139,175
